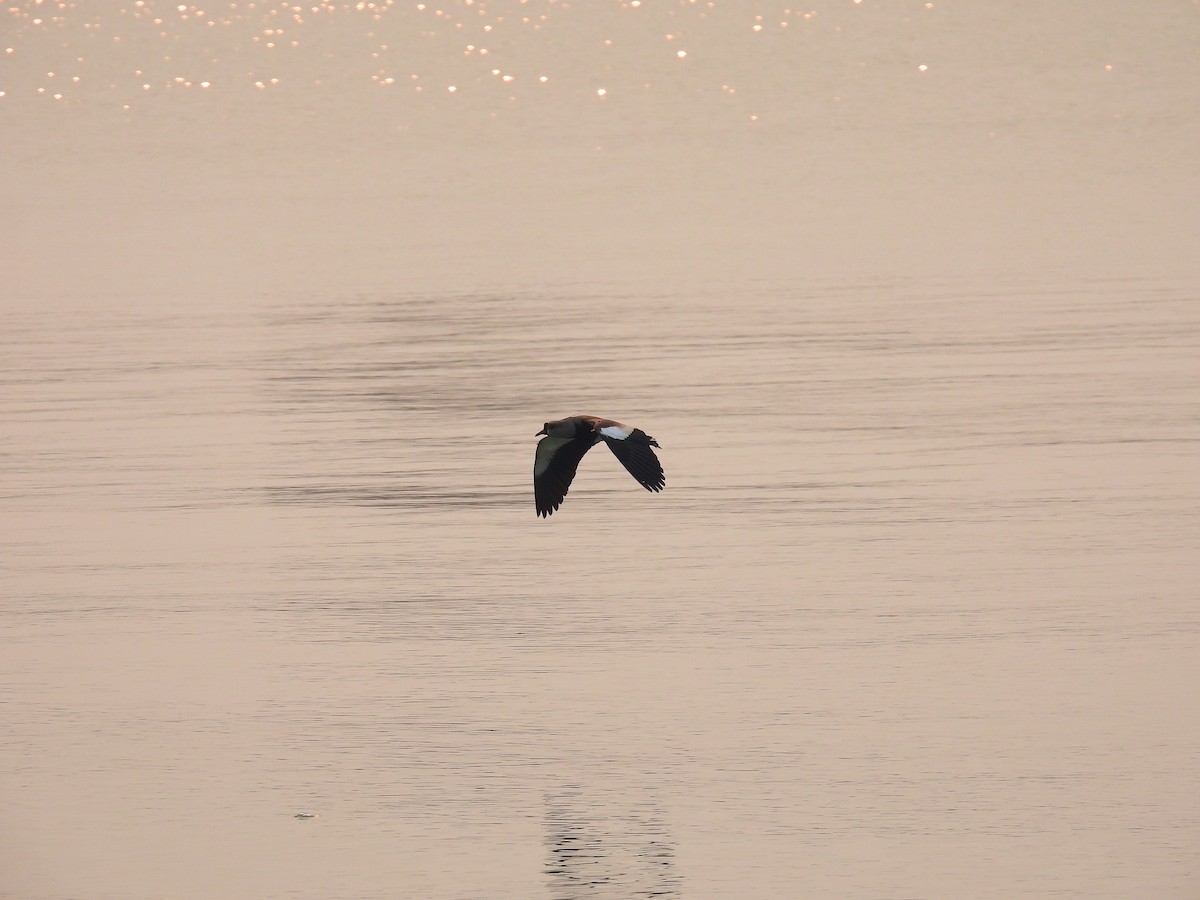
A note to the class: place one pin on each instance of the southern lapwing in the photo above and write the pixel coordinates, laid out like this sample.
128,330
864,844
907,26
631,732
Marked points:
565,442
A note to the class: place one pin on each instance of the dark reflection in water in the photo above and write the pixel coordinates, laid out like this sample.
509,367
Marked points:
594,851
396,496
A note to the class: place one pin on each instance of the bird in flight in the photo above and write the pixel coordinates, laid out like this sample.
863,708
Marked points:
565,442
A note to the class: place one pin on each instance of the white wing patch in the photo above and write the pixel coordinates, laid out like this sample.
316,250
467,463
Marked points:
546,449
616,432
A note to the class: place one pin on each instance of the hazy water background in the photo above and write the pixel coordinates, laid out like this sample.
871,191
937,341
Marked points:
916,615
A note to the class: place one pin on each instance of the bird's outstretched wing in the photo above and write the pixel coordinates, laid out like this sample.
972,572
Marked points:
635,455
554,466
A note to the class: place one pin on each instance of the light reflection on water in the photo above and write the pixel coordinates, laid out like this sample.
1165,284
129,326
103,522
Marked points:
922,576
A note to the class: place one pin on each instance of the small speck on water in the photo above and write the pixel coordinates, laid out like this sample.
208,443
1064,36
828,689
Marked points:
306,815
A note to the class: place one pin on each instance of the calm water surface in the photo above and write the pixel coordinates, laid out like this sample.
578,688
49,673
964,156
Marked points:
909,295
915,616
